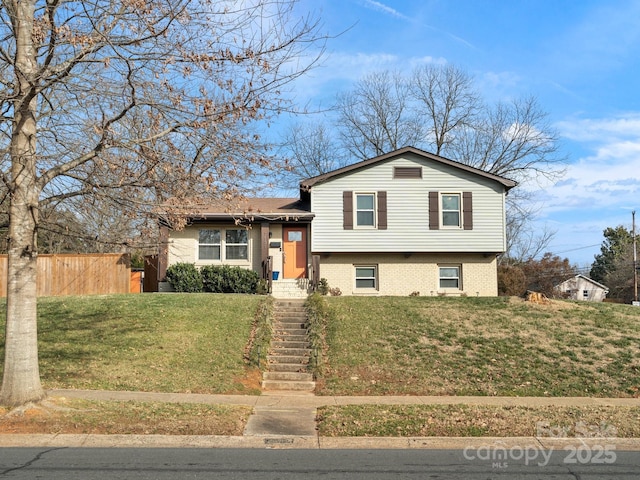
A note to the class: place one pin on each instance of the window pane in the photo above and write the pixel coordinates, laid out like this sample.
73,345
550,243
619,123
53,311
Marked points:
209,236
209,252
449,277
236,236
451,202
294,236
365,272
236,252
451,219
365,277
365,283
365,218
448,283
364,202
450,272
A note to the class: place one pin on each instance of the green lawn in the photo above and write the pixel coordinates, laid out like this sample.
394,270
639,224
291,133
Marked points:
75,416
150,342
480,346
478,421
381,345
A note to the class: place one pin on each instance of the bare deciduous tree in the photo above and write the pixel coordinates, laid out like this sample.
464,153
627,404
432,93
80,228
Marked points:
512,139
447,101
525,241
375,116
439,110
310,150
145,102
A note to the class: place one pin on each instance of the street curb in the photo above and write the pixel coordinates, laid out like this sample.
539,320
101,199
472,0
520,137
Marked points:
304,441
310,442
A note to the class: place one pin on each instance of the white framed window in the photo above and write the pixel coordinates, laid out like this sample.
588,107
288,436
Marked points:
366,277
585,294
237,244
365,211
449,277
209,244
451,208
220,244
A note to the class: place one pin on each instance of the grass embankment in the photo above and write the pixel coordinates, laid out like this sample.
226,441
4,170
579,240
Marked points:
395,346
155,343
191,343
478,421
480,346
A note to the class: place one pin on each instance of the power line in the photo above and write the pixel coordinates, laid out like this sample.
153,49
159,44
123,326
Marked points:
579,248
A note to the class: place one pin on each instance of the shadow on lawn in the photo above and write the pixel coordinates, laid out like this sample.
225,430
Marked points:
75,335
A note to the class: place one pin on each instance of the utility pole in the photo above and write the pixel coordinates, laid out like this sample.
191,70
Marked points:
635,258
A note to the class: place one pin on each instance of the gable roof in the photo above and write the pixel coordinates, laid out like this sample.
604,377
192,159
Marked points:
306,185
252,208
584,277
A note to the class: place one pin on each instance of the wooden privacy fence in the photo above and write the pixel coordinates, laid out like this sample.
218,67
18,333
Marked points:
78,274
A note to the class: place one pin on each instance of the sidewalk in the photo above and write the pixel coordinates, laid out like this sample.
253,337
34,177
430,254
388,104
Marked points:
286,420
292,399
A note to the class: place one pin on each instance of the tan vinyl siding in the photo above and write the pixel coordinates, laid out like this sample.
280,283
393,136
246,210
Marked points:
408,211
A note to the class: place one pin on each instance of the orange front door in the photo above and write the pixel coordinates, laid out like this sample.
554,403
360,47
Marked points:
295,252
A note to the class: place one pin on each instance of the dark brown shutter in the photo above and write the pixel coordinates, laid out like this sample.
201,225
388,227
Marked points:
434,211
347,210
382,210
467,211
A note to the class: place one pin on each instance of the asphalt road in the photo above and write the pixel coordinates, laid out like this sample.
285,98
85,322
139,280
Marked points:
264,464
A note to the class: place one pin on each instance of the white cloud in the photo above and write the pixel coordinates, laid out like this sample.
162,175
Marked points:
498,86
386,9
426,60
597,130
340,70
353,66
381,7
348,64
501,79
607,178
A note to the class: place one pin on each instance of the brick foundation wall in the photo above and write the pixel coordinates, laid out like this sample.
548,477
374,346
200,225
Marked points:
401,275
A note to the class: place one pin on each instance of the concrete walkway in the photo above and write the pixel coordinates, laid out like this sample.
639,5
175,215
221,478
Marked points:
309,400
287,420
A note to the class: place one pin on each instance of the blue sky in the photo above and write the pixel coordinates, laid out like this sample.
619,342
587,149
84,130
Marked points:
580,58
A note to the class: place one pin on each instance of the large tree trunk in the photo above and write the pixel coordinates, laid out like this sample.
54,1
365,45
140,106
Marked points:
21,377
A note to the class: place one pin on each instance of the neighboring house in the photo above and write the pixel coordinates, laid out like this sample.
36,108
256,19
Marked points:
404,222
583,288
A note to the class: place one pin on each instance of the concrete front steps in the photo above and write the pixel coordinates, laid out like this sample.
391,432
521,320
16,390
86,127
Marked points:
290,350
290,288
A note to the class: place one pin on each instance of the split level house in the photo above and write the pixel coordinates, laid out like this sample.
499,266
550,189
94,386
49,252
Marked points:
407,222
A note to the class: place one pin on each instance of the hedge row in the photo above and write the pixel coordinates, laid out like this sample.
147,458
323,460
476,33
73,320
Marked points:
186,277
